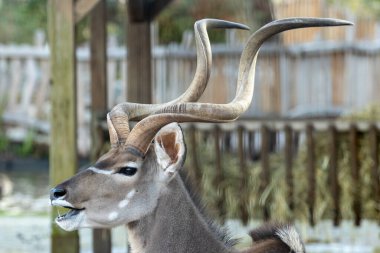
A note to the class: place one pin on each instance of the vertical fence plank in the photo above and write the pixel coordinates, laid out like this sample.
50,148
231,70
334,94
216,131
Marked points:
375,170
265,174
333,175
289,166
101,242
14,89
251,145
243,203
63,148
311,172
219,177
194,159
355,173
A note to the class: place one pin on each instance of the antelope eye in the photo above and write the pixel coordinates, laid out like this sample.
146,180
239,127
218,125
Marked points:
128,171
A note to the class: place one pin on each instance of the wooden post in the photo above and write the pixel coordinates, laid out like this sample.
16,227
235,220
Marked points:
266,173
194,159
375,170
101,242
63,148
243,202
355,173
311,172
333,175
139,66
219,177
289,166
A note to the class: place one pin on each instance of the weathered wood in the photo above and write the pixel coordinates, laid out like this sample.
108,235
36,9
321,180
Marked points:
333,181
63,148
244,194
375,170
145,10
98,48
288,154
251,145
311,172
359,62
219,176
355,174
194,159
265,173
139,88
84,7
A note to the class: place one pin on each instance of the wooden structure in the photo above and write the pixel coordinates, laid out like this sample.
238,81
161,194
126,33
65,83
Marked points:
296,81
321,170
63,17
365,26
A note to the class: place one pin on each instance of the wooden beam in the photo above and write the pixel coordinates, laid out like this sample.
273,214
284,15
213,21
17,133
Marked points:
63,148
218,182
84,7
355,174
266,171
333,181
311,173
288,154
139,63
244,175
98,62
145,10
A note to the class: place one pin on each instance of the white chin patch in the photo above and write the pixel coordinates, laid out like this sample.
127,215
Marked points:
72,220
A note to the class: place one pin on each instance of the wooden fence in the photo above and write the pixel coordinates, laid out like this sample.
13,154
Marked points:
365,24
318,78
337,178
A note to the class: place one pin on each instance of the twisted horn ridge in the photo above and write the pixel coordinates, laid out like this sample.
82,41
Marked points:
144,131
119,117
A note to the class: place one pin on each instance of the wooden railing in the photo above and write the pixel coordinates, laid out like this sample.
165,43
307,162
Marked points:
333,152
304,79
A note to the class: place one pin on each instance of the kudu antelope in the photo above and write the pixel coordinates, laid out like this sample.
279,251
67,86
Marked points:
137,182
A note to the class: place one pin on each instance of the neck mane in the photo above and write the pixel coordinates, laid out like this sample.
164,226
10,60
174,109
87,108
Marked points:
177,225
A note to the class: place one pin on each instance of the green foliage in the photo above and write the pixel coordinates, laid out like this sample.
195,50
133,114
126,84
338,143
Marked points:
20,18
181,15
27,146
4,143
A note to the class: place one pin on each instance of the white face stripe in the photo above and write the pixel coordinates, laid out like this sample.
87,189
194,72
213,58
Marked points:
113,216
104,172
109,172
132,164
125,201
60,202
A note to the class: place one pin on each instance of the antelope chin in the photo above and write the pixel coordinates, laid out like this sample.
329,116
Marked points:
71,220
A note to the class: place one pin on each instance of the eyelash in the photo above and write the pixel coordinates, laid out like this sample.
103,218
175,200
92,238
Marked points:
128,171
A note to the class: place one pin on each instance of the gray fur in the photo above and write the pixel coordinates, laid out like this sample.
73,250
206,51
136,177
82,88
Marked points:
161,213
175,226
285,233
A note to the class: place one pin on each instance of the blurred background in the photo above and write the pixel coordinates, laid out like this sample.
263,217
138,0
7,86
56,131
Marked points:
306,151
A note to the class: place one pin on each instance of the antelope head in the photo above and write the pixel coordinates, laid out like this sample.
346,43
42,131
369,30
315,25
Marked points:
103,194
127,183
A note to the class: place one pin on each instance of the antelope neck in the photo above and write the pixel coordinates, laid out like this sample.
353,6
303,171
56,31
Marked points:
175,226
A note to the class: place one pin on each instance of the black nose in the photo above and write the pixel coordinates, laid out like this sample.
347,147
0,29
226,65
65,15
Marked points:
57,193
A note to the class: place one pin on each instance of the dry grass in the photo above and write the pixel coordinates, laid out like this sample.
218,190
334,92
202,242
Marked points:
275,194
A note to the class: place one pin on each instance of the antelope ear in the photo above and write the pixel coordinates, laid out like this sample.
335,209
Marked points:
170,150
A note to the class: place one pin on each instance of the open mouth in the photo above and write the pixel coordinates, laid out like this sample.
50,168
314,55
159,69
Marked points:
72,213
72,219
